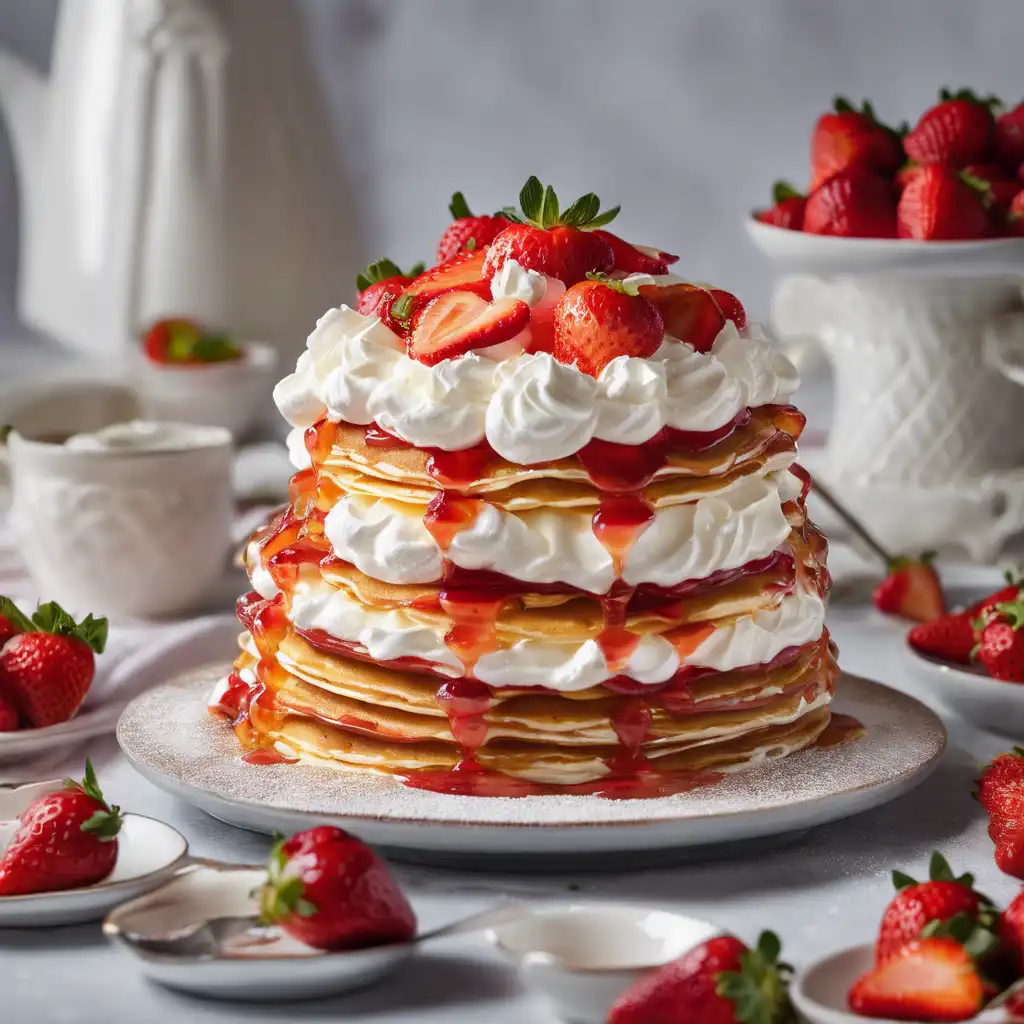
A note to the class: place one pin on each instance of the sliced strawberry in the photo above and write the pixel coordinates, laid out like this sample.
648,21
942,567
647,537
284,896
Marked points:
912,589
927,980
379,286
631,260
455,322
596,321
693,313
950,637
463,272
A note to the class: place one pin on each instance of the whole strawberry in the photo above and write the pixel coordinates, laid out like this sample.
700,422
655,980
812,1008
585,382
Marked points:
848,137
955,132
552,241
380,285
855,203
720,981
631,259
787,209
1008,137
694,313
1011,592
47,669
467,232
331,891
949,637
942,205
911,589
7,630
944,905
1001,643
1000,790
65,840
1012,934
597,320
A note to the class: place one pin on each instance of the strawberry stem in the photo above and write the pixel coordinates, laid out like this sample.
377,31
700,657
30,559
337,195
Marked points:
458,207
539,207
106,822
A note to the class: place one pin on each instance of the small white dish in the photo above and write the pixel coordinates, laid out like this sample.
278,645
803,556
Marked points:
25,743
231,394
582,957
972,694
275,967
149,852
798,251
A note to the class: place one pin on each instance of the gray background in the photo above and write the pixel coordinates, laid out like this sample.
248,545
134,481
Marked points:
684,111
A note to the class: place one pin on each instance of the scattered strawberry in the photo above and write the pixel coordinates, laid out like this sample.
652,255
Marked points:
1000,791
597,321
65,840
932,979
460,273
1008,137
1001,644
8,717
944,905
455,322
720,981
552,242
177,340
379,286
855,203
632,260
693,313
47,669
942,205
331,891
911,589
787,209
955,132
848,138
467,232
949,637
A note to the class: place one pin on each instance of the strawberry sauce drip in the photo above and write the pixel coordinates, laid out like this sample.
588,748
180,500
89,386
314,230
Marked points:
473,632
840,729
617,524
458,470
267,756
447,515
320,440
378,437
465,702
265,619
616,642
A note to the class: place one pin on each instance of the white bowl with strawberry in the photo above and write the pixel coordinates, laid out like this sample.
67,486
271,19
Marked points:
67,856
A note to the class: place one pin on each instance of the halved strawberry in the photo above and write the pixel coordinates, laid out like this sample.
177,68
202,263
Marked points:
455,322
631,260
693,313
927,980
950,637
597,321
463,272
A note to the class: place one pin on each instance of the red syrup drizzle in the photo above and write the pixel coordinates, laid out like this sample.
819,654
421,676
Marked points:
841,729
453,470
466,702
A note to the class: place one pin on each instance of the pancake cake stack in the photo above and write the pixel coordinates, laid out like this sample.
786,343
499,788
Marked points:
547,534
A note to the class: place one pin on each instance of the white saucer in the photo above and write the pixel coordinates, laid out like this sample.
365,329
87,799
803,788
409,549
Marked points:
28,742
148,853
972,694
280,969
798,251
174,742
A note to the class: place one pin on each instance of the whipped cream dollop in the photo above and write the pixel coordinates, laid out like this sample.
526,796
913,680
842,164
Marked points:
388,540
513,281
530,407
148,436
565,666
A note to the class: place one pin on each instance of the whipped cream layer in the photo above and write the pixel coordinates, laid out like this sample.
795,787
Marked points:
529,407
393,634
389,541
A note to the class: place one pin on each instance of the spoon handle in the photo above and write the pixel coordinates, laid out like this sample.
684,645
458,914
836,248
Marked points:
855,525
500,914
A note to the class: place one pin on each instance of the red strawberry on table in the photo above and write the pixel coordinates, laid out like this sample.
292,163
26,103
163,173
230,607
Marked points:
932,979
941,205
1008,137
331,891
911,589
632,260
847,137
955,132
787,209
380,285
455,322
553,242
694,313
944,905
720,981
949,637
467,232
65,840
47,669
855,203
1000,640
1000,790
598,320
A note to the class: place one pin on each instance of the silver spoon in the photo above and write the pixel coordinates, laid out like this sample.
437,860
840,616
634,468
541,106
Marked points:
850,520
206,938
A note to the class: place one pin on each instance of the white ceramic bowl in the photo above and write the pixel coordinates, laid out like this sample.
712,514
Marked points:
149,852
800,252
232,394
281,969
972,694
582,957
819,991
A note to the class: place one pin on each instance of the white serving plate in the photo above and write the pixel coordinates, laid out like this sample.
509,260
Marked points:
149,852
25,743
799,252
972,694
276,970
169,736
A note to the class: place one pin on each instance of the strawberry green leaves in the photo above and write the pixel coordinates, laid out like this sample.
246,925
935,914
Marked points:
384,269
539,207
106,822
759,989
51,618
283,894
